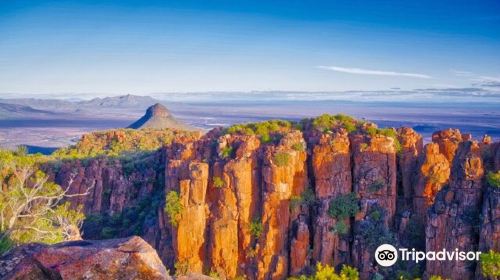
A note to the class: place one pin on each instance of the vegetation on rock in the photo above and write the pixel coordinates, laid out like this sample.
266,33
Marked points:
326,272
173,207
256,228
307,198
119,141
32,209
267,131
218,182
344,206
227,152
490,264
326,122
493,179
281,159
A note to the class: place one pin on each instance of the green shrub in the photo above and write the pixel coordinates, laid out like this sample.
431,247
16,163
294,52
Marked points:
326,272
227,152
374,232
218,182
281,159
344,206
267,131
372,131
295,201
5,244
376,215
108,233
376,186
299,147
173,207
493,179
340,228
256,228
326,122
490,264
181,268
437,277
306,198
388,132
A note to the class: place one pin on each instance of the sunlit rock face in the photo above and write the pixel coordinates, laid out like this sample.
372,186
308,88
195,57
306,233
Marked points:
260,209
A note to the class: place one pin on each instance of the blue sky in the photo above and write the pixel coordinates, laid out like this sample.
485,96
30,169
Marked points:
142,47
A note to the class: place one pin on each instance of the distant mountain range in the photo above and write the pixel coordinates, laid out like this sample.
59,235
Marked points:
26,108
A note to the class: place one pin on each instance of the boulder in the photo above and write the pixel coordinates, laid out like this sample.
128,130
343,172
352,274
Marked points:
127,258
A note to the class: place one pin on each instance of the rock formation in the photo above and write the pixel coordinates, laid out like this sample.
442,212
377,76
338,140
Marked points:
259,207
453,220
128,258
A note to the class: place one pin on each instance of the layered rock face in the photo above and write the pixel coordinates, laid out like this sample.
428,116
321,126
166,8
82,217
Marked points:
260,208
128,258
331,166
374,181
433,173
453,220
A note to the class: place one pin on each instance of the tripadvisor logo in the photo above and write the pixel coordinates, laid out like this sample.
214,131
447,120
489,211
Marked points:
387,255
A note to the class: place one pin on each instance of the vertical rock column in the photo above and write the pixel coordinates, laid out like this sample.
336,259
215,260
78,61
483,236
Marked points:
374,181
234,198
189,177
411,148
284,174
331,162
453,221
433,173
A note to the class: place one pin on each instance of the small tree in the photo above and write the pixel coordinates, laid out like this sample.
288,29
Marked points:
173,207
32,209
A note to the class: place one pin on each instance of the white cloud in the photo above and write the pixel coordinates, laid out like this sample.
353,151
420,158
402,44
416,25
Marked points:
360,71
460,73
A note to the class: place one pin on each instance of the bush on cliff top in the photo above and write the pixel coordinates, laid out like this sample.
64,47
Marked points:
119,141
267,131
327,122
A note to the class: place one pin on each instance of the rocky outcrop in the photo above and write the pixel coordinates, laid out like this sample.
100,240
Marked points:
453,221
128,258
433,173
448,141
259,207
